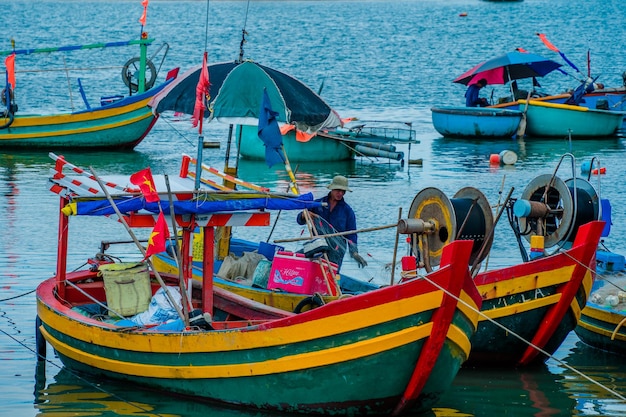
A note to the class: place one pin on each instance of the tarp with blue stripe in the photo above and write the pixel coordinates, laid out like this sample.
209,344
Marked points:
213,203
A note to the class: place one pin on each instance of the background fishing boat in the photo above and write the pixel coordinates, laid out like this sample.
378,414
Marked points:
562,120
506,70
354,138
237,351
475,122
119,120
601,324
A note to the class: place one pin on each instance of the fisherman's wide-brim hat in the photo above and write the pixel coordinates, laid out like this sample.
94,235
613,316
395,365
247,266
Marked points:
339,183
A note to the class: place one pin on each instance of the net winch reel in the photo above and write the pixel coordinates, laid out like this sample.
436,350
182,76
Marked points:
130,70
435,220
554,209
130,76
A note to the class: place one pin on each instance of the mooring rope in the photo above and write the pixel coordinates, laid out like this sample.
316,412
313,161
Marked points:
77,376
18,296
571,368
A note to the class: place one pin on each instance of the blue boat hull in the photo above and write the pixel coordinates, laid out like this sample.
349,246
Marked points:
475,122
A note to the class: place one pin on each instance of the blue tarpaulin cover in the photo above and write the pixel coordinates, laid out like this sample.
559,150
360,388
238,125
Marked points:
213,203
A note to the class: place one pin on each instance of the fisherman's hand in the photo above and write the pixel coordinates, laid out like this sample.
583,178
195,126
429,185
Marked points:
359,259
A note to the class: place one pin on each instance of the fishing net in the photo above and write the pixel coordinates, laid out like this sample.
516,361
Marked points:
337,244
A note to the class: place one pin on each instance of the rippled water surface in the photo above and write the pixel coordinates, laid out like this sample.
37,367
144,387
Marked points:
385,60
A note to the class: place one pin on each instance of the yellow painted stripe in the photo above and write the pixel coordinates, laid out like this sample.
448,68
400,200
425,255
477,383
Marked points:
459,338
74,131
226,340
518,308
587,283
554,105
603,332
469,308
286,363
62,118
532,282
603,315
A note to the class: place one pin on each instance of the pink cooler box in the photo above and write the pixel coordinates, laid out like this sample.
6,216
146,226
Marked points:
293,272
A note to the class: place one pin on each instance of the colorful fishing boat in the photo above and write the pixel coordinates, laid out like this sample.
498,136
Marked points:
601,323
117,121
528,308
230,349
475,122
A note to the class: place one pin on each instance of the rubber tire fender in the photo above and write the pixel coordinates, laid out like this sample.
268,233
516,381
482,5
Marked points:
316,300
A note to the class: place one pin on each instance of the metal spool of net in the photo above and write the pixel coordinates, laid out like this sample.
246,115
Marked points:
556,209
467,216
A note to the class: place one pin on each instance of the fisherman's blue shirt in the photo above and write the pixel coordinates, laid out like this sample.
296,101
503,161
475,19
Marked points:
342,217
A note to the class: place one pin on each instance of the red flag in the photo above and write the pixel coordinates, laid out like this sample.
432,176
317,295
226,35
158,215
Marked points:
9,63
160,233
142,19
145,182
202,92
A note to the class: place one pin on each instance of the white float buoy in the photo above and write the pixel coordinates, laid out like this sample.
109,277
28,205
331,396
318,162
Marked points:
508,157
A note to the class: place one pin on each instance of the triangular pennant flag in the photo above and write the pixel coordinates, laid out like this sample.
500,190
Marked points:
158,237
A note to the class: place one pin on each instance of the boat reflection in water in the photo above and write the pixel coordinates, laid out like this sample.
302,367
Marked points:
311,174
607,370
548,390
70,394
487,392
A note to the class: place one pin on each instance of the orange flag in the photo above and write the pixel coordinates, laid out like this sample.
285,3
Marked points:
202,92
142,19
9,63
144,180
547,43
158,237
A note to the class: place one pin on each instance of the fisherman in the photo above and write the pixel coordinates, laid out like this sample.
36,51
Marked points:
471,95
338,214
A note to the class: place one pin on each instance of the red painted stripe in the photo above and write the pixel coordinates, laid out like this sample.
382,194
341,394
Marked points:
456,258
57,189
252,219
583,250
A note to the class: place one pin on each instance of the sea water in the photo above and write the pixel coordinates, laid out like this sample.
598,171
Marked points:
375,60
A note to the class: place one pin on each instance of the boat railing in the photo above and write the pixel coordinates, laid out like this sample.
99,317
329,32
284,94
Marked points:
376,131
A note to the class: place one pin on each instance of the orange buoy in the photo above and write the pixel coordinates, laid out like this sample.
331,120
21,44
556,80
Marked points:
494,159
602,171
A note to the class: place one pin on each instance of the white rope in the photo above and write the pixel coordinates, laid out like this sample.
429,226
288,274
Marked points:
615,393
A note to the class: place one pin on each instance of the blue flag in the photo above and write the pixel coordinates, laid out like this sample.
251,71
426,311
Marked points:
269,132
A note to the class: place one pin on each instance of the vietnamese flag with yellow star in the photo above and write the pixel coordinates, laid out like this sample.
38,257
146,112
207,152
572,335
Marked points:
144,180
158,237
